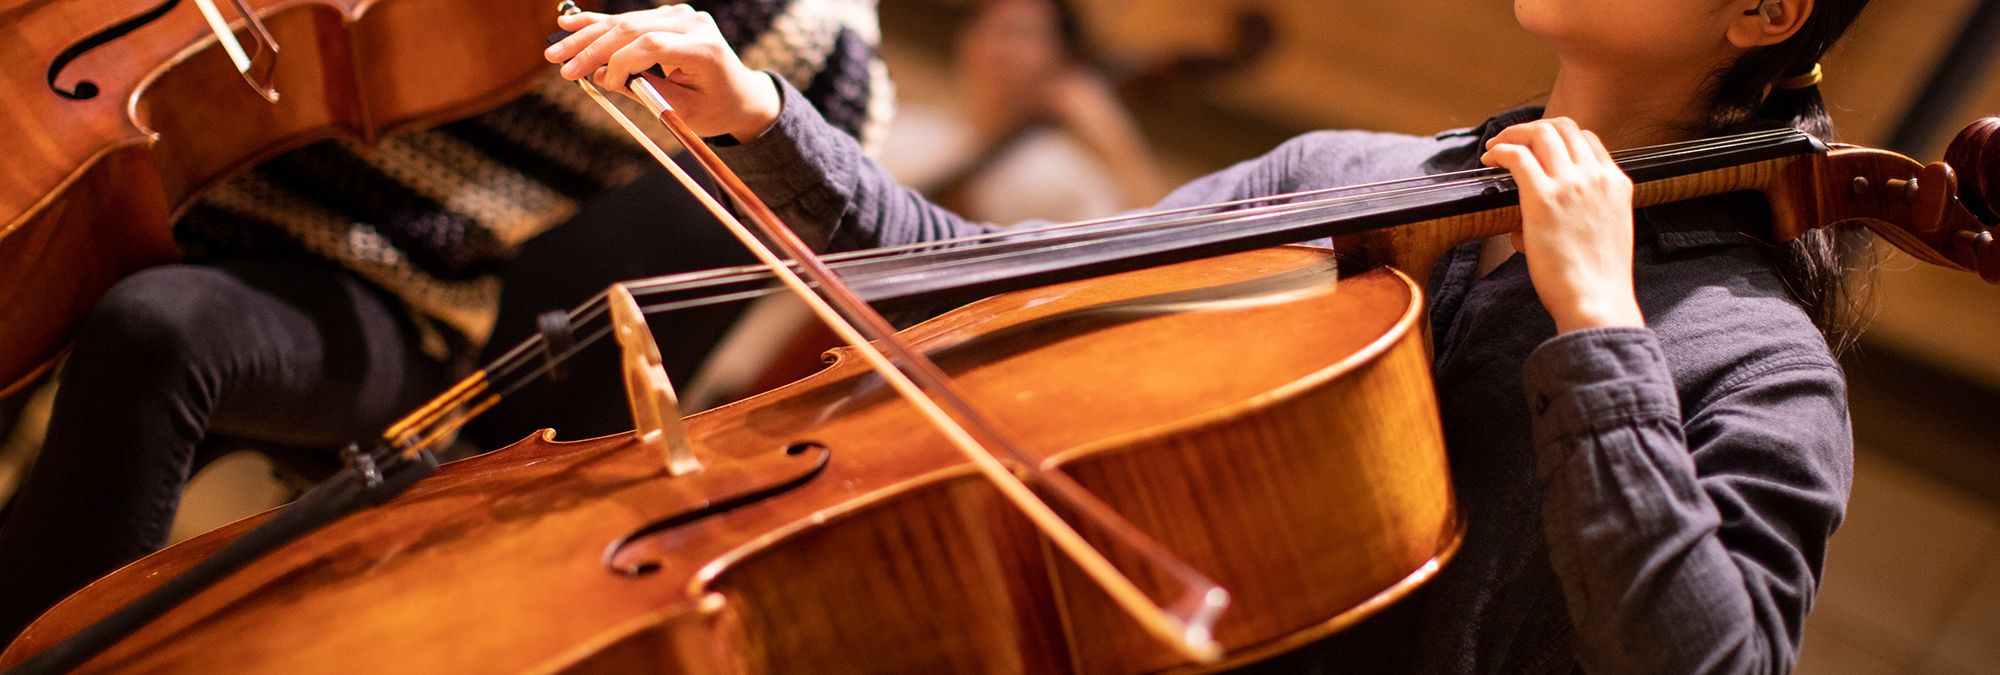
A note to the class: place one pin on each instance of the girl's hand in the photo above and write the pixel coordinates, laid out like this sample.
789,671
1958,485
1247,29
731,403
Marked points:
1576,222
705,81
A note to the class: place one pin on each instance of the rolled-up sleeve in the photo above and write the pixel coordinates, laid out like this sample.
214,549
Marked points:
836,198
819,181
1685,541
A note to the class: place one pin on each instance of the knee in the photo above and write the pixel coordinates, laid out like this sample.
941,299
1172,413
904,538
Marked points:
158,316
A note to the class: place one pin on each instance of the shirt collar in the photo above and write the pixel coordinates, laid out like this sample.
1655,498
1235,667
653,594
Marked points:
1466,156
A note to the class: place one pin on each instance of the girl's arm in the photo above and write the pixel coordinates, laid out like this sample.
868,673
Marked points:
1684,540
816,177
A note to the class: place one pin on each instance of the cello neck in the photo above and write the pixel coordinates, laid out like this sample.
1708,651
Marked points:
1403,223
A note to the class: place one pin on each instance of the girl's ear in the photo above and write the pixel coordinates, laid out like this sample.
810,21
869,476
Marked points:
1768,22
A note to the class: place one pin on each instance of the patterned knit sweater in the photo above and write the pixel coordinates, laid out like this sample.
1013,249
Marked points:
431,217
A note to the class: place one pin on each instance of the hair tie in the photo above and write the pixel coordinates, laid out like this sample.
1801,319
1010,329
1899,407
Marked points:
1810,79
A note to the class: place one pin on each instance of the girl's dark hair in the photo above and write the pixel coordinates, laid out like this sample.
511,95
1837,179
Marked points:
1816,266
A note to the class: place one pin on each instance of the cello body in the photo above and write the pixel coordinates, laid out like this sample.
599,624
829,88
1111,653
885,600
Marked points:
92,198
1272,427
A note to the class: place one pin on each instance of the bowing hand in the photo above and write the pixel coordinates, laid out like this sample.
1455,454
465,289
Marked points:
705,81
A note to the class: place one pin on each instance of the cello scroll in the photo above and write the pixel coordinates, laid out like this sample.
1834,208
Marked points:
1941,213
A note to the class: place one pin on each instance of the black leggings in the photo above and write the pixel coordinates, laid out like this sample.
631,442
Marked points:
293,352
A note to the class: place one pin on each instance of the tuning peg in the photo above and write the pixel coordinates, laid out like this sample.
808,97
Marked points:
1975,155
1988,251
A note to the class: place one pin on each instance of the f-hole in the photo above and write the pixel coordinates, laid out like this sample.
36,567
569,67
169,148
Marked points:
808,457
85,89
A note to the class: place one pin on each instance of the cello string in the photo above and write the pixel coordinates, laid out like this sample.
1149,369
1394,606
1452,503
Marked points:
1439,180
958,254
1064,229
506,370
591,312
1246,224
919,262
1632,159
1639,159
1625,157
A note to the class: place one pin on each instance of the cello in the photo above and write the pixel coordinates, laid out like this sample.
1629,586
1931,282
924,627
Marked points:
663,634
829,529
136,111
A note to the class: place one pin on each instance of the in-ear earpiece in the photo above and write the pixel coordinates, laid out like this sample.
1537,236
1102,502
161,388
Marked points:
1767,9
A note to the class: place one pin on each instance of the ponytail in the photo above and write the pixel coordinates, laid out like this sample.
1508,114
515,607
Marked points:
1817,266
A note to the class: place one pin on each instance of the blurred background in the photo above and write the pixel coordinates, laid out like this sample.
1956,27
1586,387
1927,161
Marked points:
1019,109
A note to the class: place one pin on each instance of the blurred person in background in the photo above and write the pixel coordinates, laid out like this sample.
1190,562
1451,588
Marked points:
1034,128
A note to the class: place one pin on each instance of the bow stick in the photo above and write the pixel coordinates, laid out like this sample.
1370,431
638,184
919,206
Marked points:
1187,626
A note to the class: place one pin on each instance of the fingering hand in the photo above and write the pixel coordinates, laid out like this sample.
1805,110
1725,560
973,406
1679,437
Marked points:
705,81
1576,222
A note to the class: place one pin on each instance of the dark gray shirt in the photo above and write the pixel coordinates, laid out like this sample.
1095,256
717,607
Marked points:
1639,499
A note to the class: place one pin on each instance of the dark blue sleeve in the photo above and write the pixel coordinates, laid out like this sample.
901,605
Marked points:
821,184
1685,543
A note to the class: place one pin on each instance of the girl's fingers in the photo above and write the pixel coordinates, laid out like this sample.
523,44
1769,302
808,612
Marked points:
1519,134
574,22
1549,147
592,46
614,36
1542,140
578,20
1597,146
1558,141
1580,152
1599,170
651,49
567,49
1520,161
